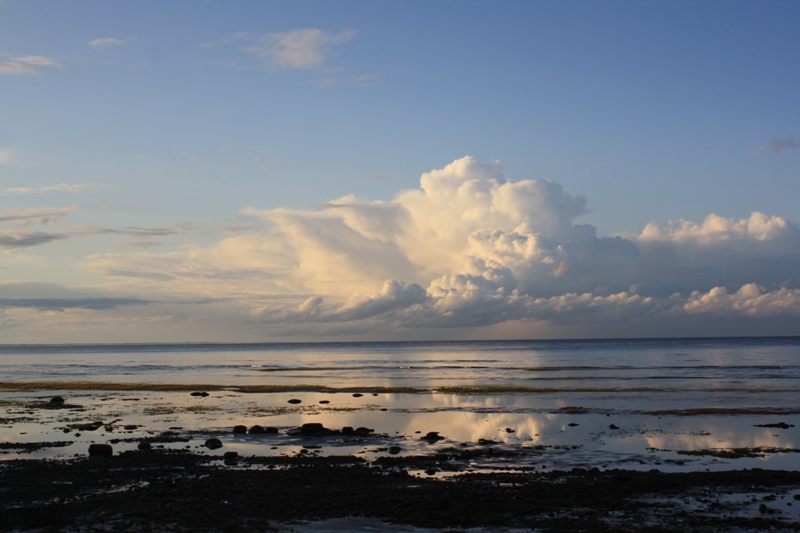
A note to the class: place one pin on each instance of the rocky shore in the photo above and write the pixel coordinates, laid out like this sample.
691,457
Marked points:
181,491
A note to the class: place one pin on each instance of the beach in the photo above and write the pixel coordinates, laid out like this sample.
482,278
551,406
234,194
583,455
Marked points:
338,446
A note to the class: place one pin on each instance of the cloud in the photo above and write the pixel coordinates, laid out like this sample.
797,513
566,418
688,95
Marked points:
29,65
105,42
54,297
171,229
470,248
23,239
59,187
299,49
5,156
42,216
787,143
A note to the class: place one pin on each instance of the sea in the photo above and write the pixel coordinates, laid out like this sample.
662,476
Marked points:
673,404
748,364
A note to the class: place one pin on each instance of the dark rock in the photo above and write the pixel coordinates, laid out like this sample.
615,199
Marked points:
213,444
324,402
763,509
509,430
98,450
357,395
431,471
374,393
256,430
486,441
779,425
796,496
56,401
394,450
612,426
271,430
131,427
295,401
315,429
202,394
432,436
144,446
363,432
240,429
347,430
230,456
572,424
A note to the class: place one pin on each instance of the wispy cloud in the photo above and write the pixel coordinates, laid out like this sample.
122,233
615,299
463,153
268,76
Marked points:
25,239
29,65
59,187
787,143
105,42
299,49
364,80
43,215
5,156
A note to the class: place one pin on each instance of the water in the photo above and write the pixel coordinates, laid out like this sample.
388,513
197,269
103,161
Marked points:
554,404
747,363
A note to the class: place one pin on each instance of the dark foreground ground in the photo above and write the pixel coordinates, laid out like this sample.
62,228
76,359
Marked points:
158,491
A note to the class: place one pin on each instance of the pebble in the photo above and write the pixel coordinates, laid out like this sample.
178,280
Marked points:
98,450
295,401
198,393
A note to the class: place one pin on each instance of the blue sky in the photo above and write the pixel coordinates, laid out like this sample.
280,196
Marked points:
196,170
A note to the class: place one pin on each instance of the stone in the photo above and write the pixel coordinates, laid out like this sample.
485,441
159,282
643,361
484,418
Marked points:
256,430
240,429
100,450
202,394
213,444
394,450
270,429
432,436
357,395
347,430
144,446
230,456
363,432
324,402
130,427
56,401
295,401
612,426
313,428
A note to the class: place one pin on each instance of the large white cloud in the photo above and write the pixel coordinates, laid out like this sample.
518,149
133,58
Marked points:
471,248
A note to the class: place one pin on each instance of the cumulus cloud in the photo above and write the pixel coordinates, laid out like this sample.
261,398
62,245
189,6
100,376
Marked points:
59,187
105,42
470,248
29,65
299,49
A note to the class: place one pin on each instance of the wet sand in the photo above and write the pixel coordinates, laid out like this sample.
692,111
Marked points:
438,461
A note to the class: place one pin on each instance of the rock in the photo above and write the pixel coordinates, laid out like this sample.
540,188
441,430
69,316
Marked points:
431,471
779,425
763,509
270,429
56,401
612,426
394,450
432,436
98,450
256,430
144,446
213,444
131,427
374,393
347,430
240,429
315,429
324,402
357,395
572,424
363,432
202,394
230,457
509,430
295,401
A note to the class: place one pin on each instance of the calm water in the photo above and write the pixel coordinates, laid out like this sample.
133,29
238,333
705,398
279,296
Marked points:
738,363
609,403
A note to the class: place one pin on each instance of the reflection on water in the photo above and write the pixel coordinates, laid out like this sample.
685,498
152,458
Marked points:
523,431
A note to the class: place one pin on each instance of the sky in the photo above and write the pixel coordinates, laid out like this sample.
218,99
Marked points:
209,171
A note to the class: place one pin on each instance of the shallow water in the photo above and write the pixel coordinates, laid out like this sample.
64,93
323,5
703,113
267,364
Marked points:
610,404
